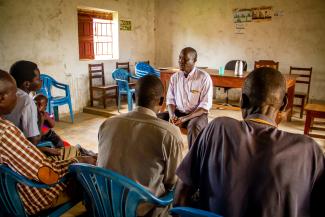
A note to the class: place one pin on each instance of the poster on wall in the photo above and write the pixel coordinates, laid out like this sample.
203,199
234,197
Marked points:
262,13
242,15
125,25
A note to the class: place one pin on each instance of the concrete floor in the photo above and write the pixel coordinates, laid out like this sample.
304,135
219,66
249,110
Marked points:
84,131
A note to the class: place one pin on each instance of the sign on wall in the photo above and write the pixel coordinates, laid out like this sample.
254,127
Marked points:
125,25
243,15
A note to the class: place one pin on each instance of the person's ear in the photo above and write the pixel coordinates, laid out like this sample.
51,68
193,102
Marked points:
26,85
284,103
244,101
161,101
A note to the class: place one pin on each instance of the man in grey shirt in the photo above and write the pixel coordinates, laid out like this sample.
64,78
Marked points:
24,115
141,146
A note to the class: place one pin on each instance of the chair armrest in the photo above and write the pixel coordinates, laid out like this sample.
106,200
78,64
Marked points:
134,77
188,211
116,79
45,144
28,182
60,85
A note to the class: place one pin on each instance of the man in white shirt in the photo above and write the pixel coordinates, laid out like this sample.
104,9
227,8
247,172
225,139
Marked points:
189,96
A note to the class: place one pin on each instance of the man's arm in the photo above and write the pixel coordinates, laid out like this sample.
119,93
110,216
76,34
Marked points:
183,194
171,110
35,139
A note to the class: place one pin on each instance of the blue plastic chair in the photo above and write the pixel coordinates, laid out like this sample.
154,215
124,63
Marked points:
55,101
111,194
192,212
121,76
45,144
143,69
10,202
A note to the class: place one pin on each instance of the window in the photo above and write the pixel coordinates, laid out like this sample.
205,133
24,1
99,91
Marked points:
98,35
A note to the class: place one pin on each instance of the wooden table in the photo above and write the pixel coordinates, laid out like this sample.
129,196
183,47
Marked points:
314,111
232,81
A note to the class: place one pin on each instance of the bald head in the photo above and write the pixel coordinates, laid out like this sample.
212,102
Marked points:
149,91
6,80
265,86
8,90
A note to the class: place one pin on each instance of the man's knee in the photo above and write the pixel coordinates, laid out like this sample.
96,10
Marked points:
163,116
198,123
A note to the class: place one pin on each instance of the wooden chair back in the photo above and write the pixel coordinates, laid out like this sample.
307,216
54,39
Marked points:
304,76
96,71
123,65
146,61
266,63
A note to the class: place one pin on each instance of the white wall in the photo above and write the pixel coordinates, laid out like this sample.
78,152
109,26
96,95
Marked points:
46,32
296,38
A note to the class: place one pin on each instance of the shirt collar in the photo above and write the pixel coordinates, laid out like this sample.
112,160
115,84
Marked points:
191,73
262,117
146,111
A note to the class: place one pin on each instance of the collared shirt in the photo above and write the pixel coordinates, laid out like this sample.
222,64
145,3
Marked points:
190,93
23,157
24,115
142,147
249,168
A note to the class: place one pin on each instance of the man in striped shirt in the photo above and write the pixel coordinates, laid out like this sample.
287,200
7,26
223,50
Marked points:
23,157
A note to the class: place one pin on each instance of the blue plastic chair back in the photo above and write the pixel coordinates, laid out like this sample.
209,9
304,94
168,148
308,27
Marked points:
111,194
121,76
192,212
54,101
143,69
10,202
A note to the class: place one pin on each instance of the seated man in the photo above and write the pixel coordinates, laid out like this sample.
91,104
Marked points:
23,157
24,115
189,96
250,167
141,146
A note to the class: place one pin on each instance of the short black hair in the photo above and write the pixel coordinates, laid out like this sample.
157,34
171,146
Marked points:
40,96
190,50
148,90
265,86
23,71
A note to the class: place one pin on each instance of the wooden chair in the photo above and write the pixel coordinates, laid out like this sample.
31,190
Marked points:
96,71
123,65
304,78
314,111
266,63
146,61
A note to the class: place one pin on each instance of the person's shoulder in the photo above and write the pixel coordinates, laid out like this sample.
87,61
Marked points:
8,126
224,121
202,72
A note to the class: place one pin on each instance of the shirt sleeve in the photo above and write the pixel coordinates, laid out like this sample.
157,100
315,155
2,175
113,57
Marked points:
206,94
174,155
170,98
29,120
23,157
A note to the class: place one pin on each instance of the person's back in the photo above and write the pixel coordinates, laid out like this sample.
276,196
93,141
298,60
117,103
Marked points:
251,168
141,146
258,170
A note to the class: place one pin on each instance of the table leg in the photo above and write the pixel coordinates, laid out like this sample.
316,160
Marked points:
308,122
290,94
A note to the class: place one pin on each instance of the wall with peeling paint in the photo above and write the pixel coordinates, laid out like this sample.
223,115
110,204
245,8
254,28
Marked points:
46,32
296,38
